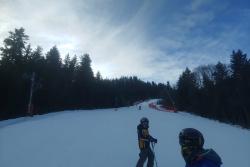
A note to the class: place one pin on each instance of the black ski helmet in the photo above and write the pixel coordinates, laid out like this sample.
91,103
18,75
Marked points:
191,138
144,119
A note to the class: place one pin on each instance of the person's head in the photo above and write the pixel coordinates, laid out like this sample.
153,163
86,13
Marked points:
190,140
144,122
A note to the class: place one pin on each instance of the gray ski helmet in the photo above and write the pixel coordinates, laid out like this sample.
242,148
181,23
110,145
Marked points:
191,138
144,119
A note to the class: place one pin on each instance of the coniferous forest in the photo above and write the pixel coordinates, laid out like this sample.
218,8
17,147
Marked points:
220,92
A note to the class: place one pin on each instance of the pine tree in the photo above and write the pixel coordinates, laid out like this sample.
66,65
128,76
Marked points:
14,48
186,88
221,72
238,63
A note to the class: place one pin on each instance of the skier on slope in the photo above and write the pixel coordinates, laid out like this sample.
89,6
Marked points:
191,141
144,139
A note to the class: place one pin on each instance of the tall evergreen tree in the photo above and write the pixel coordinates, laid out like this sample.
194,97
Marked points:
186,88
84,83
53,79
53,61
12,53
69,72
240,109
221,72
238,63
14,48
36,62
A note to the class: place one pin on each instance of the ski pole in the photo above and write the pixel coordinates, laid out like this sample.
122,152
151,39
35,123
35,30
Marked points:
154,153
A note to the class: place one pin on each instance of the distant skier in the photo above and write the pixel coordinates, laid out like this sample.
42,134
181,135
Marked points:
139,107
191,141
144,140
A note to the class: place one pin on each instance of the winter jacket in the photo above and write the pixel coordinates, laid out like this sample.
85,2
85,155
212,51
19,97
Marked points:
143,137
204,158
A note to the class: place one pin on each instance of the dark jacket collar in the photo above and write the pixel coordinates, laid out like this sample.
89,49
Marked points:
209,154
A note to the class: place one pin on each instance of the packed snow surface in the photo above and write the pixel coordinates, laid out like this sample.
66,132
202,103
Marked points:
108,138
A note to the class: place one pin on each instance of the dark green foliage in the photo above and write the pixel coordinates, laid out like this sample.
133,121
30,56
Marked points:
220,73
220,92
238,63
67,85
11,67
14,48
187,89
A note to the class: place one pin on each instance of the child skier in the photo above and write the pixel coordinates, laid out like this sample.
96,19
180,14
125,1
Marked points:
144,140
191,141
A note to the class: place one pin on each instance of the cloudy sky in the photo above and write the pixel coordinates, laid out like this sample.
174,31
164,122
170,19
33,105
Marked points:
154,40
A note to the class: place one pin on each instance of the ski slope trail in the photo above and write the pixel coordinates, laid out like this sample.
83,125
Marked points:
108,138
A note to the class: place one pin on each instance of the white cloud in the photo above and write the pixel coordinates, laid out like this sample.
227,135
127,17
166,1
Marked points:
126,38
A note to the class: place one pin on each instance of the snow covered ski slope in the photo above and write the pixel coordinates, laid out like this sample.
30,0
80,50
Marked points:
108,138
